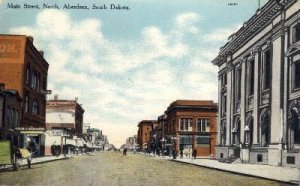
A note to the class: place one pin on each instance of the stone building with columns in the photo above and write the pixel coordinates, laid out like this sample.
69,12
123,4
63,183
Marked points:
259,88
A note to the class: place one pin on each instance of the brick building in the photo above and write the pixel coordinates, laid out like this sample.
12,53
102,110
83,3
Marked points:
144,132
191,125
24,69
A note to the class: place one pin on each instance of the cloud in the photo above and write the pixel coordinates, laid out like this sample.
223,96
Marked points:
121,83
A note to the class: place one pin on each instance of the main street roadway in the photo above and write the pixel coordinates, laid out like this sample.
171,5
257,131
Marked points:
111,168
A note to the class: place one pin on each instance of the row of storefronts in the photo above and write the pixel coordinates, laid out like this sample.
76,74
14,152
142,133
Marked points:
186,127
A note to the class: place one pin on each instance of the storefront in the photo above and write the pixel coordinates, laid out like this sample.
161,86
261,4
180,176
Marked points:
32,135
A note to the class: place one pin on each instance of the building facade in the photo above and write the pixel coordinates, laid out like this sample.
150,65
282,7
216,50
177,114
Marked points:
23,68
144,132
259,88
190,125
10,106
64,121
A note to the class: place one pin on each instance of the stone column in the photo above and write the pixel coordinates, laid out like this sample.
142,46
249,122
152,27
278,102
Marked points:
219,110
228,106
243,98
255,96
274,157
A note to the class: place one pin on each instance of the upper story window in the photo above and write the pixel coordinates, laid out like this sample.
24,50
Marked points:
266,69
35,107
34,80
27,77
26,107
238,76
250,78
203,125
186,124
296,33
224,79
296,74
8,116
17,119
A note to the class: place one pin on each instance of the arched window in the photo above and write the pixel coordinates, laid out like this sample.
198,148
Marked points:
35,107
265,130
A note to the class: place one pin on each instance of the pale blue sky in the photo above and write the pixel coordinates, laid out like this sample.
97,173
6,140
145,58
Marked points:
126,66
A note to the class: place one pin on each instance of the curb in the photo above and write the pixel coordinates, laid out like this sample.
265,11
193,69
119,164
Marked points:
294,182
34,163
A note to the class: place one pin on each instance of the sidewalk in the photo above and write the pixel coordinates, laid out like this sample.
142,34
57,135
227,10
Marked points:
38,160
282,174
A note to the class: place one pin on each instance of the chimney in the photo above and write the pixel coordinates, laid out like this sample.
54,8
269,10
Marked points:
2,86
56,97
30,38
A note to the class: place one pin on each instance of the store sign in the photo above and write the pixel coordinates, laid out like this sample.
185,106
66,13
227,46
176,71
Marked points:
10,48
5,152
57,132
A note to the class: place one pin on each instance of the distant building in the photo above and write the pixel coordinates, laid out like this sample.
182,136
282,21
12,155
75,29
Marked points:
190,125
131,142
64,121
24,69
259,88
144,131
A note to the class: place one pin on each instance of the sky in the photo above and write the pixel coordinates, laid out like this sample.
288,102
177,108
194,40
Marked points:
125,66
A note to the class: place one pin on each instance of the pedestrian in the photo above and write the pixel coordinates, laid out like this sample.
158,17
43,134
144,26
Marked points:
194,153
181,153
32,148
125,151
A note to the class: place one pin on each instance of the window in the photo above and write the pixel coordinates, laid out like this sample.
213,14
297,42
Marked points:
203,125
27,76
17,119
202,140
236,132
296,74
290,159
266,70
250,77
259,158
224,79
26,107
12,117
249,132
38,83
296,33
224,103
34,80
223,133
8,116
186,124
238,84
185,141
265,130
35,107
